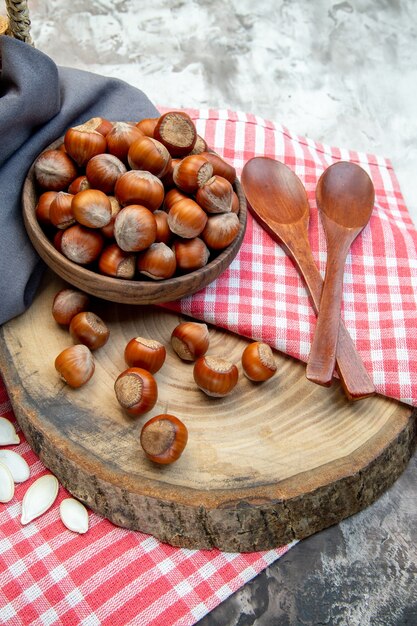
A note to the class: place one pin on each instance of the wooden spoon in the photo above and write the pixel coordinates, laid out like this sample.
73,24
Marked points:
278,201
345,197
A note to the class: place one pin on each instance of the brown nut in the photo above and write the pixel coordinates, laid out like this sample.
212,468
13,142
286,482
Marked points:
54,170
192,172
147,125
200,146
119,139
220,230
191,254
100,124
81,245
235,203
167,178
82,143
147,354
60,210
103,171
157,262
149,154
79,184
136,390
190,340
186,219
172,197
116,262
163,438
258,361
215,376
134,228
176,130
108,230
220,166
43,206
75,365
67,303
91,208
140,187
216,195
89,329
163,232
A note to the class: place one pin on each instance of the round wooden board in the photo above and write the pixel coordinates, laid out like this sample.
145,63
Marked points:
269,463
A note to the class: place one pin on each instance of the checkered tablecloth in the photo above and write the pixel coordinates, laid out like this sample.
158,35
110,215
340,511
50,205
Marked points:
49,575
262,295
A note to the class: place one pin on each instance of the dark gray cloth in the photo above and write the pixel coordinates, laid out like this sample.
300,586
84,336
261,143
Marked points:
38,102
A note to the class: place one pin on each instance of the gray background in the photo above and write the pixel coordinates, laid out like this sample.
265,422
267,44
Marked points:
343,73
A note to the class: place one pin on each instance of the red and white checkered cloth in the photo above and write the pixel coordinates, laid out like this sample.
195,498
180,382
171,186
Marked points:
262,295
49,575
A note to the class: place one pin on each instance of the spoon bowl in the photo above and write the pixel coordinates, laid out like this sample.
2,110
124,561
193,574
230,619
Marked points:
287,207
345,194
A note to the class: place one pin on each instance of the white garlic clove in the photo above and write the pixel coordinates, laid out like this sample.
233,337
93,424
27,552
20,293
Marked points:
39,498
74,515
6,483
8,434
17,465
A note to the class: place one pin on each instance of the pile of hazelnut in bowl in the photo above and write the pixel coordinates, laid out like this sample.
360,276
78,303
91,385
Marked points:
134,213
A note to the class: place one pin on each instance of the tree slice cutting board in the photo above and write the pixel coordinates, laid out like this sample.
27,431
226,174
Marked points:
269,463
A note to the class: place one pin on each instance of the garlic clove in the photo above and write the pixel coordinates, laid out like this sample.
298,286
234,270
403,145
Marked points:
6,483
39,498
17,465
74,515
8,434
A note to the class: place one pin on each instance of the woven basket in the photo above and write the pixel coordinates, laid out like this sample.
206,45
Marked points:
18,23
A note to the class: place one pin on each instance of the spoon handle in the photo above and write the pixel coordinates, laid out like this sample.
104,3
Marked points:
355,379
322,359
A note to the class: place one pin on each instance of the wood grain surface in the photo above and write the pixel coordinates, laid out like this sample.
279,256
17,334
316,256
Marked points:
269,463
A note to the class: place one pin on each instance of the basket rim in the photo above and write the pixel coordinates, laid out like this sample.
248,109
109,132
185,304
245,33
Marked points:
19,24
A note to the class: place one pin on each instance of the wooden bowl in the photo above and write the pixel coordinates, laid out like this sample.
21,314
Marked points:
116,289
